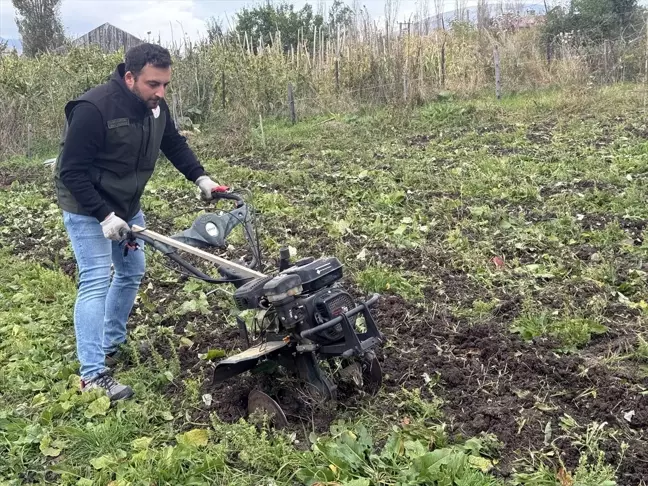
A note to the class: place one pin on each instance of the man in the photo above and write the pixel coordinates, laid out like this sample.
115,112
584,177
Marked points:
113,138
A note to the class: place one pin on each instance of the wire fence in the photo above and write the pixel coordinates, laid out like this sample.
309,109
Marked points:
410,87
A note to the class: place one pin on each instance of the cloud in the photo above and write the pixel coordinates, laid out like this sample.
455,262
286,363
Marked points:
164,20
167,20
171,20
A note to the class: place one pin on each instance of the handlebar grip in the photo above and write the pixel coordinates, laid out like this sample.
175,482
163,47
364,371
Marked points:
228,195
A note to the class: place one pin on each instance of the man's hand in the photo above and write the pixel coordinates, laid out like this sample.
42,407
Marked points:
206,186
112,227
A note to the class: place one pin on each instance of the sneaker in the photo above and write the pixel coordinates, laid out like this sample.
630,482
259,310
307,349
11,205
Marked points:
114,389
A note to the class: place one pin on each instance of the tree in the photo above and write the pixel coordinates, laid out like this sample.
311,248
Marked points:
340,15
483,14
39,25
596,20
214,29
263,22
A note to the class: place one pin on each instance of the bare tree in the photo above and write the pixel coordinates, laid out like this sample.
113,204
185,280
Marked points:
438,10
359,24
520,7
39,25
483,14
214,29
391,12
422,18
460,10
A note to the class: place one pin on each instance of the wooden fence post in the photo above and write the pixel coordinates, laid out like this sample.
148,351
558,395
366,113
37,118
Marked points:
498,81
29,141
405,87
262,132
646,71
443,64
223,89
646,54
291,102
606,60
337,75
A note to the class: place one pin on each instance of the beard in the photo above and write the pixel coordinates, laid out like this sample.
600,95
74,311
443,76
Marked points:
151,103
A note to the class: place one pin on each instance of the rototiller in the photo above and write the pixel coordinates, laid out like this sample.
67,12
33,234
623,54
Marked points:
301,317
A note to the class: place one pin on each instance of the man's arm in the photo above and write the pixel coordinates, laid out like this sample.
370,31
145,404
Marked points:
175,148
85,137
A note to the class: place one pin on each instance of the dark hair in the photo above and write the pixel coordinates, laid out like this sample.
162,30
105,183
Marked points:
142,54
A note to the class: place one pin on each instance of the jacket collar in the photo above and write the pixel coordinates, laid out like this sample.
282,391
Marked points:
138,105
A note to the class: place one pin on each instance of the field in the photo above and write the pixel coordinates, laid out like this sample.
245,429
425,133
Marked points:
506,240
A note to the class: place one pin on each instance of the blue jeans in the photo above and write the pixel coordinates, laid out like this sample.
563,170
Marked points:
102,307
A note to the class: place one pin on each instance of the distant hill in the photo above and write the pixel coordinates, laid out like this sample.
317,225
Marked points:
470,14
12,43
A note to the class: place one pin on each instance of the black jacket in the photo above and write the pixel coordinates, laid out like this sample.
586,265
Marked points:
109,151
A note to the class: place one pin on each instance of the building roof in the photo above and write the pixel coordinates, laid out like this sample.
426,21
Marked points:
108,37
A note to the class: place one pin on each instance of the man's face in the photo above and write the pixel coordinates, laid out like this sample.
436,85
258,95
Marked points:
150,85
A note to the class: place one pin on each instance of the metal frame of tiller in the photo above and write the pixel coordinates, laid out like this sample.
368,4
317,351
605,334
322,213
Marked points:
298,350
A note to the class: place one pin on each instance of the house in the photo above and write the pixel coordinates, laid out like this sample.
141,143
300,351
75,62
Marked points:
107,36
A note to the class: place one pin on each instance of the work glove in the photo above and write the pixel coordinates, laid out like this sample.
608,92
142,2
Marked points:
114,228
206,186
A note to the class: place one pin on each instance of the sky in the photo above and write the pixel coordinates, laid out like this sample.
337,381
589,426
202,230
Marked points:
173,19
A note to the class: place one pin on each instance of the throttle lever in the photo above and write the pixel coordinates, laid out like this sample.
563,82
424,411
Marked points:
216,192
225,192
130,243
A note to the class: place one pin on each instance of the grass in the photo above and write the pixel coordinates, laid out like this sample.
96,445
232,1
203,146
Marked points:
523,219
